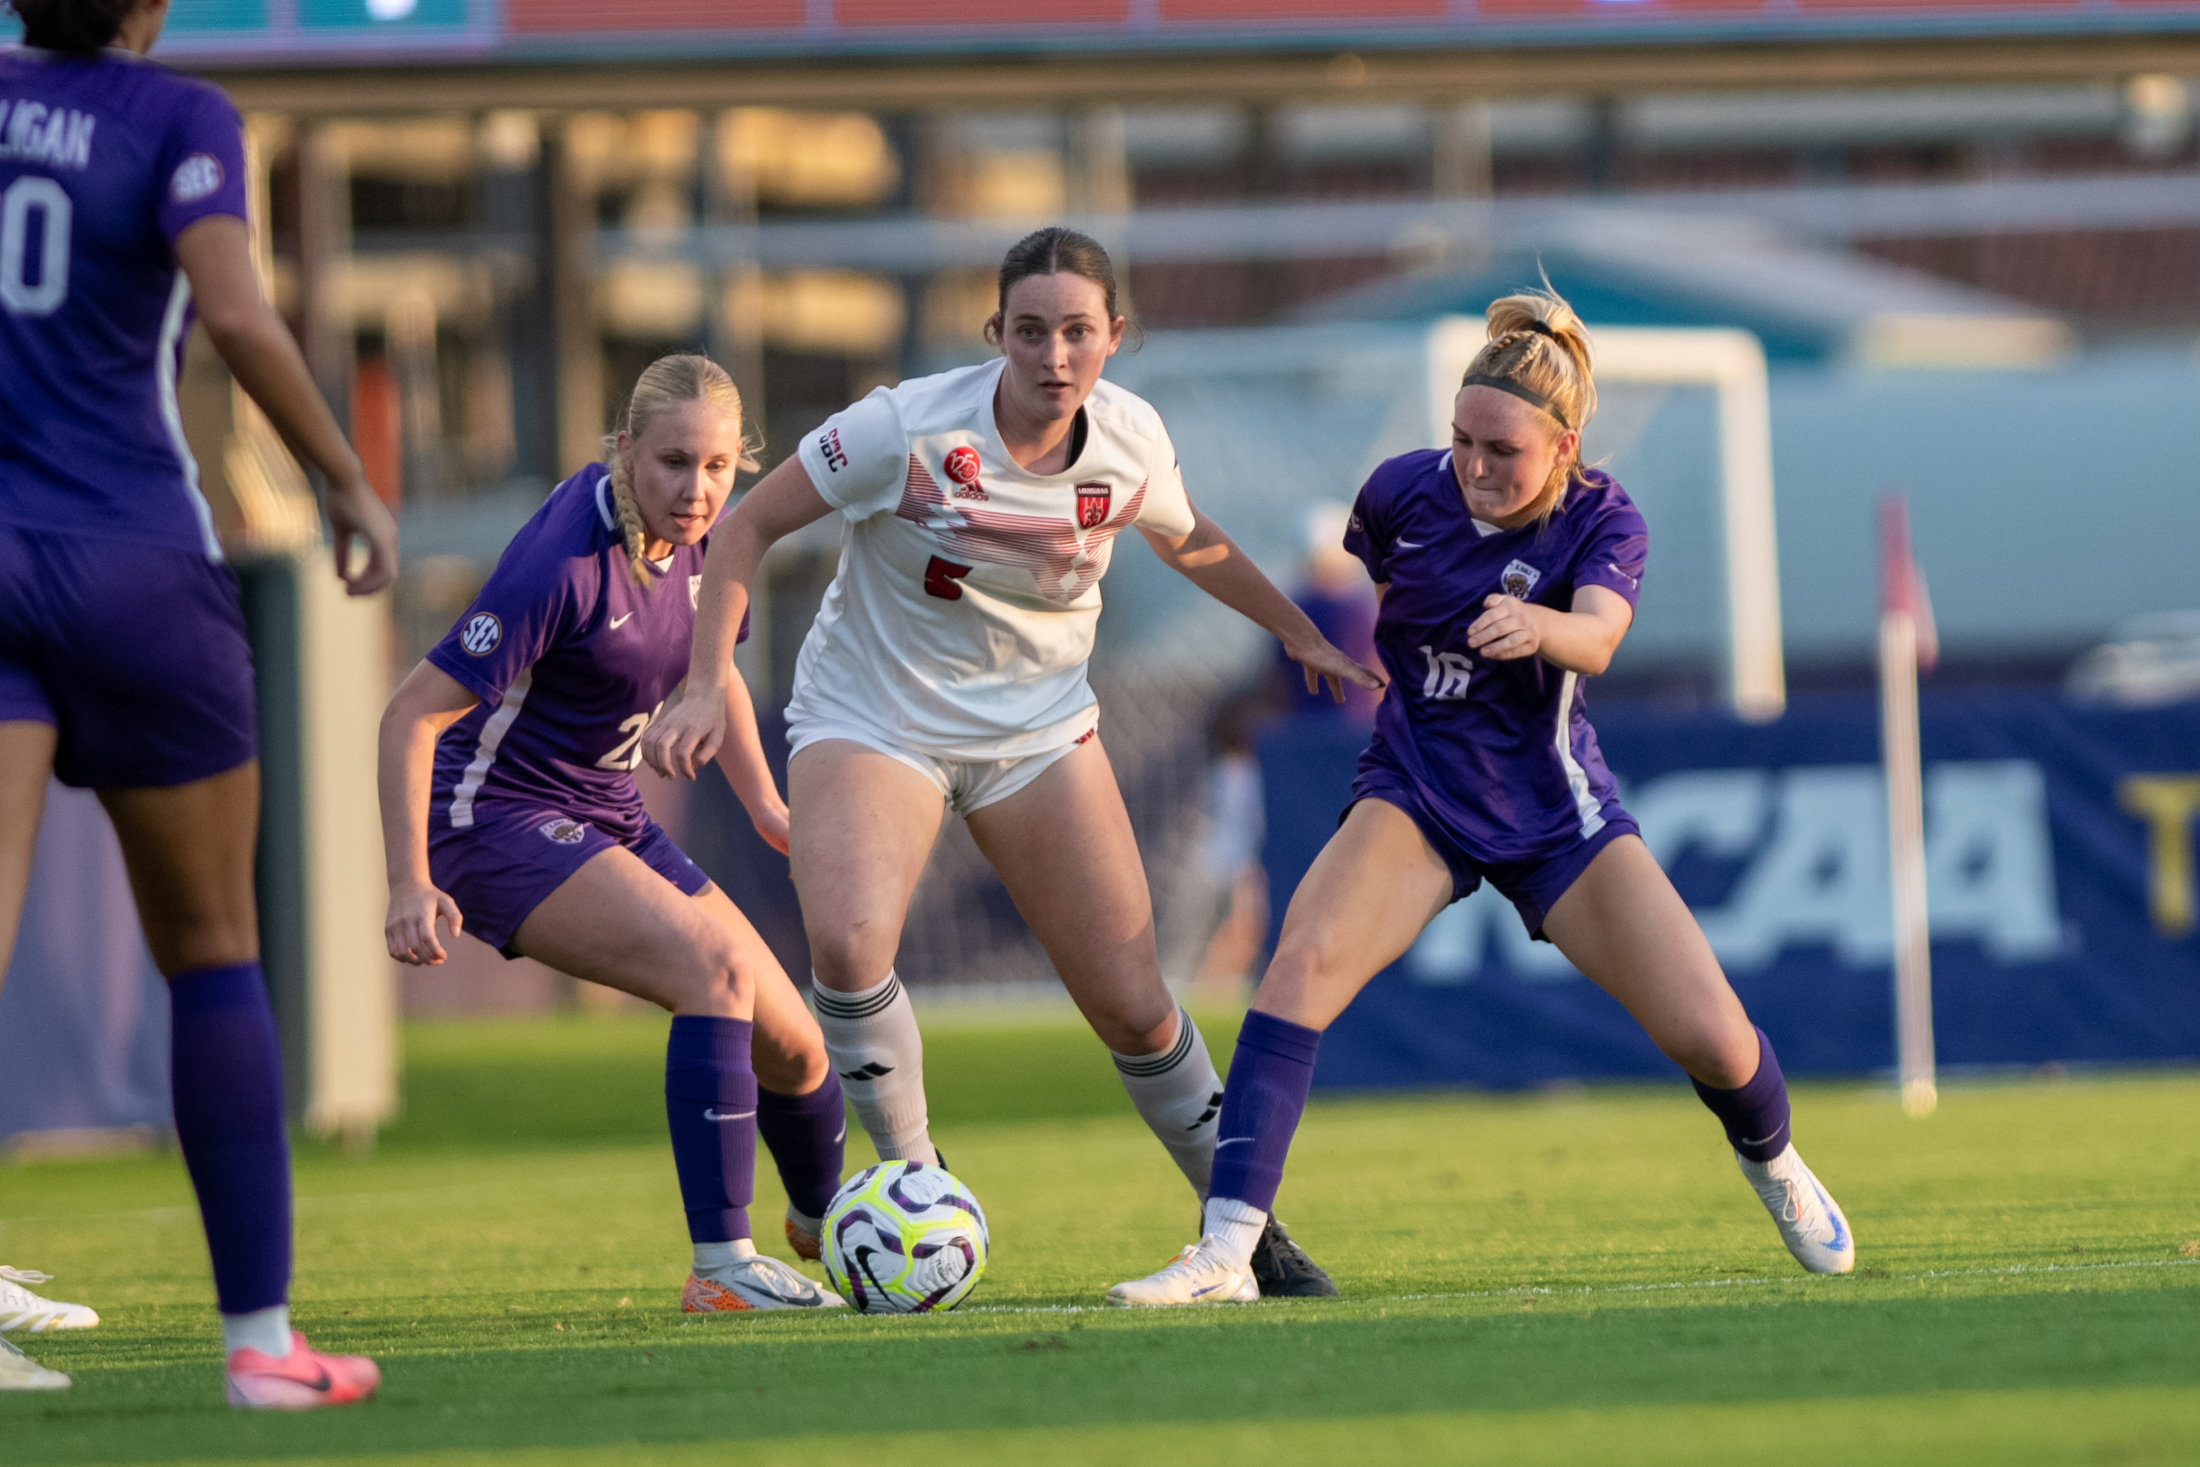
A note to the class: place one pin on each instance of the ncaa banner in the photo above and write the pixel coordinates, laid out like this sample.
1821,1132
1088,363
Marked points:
2060,883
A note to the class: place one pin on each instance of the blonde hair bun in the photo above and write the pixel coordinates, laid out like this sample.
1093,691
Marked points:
1537,342
668,382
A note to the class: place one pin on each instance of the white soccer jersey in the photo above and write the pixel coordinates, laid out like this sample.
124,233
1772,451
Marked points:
962,614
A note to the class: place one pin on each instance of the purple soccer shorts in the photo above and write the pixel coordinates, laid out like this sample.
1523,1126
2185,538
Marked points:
502,866
136,654
1532,886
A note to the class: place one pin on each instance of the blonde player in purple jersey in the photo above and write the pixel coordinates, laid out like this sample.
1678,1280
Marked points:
1508,572
509,810
123,662
947,670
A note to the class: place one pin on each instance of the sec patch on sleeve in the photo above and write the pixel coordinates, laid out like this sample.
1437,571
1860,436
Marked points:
483,633
196,177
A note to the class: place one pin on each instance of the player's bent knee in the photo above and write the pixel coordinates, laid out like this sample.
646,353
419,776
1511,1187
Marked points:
788,1071
1713,1058
850,959
187,947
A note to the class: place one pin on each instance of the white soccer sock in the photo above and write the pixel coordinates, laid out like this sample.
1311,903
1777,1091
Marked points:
871,1037
1237,1224
1179,1095
265,1330
722,1255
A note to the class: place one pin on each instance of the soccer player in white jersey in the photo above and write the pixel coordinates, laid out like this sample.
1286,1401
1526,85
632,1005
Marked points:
946,670
1508,572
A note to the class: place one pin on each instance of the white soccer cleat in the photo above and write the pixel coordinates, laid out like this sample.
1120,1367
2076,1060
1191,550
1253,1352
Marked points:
1204,1273
754,1283
19,1372
20,1309
1810,1221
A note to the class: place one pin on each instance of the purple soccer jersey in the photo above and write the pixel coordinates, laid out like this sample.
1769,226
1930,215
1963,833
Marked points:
572,662
104,161
1500,754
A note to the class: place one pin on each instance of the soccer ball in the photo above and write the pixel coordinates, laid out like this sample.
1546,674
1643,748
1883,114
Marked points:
904,1238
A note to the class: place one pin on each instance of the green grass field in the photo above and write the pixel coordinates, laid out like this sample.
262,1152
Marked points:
1527,1280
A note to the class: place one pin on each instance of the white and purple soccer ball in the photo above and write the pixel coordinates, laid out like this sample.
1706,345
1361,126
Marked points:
904,1238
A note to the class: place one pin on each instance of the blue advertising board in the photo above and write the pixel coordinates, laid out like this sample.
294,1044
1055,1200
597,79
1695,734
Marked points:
2059,881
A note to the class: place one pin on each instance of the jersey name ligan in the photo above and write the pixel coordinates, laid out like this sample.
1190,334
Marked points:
1502,751
104,161
962,614
572,662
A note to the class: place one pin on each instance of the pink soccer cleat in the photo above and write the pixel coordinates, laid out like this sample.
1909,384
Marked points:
301,1380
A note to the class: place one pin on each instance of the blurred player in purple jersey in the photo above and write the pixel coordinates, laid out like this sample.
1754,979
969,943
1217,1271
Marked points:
509,808
1508,573
123,663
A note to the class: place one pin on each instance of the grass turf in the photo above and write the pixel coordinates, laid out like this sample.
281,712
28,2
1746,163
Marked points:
1527,1280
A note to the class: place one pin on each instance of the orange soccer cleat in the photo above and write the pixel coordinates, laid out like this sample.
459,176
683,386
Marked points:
807,1246
754,1283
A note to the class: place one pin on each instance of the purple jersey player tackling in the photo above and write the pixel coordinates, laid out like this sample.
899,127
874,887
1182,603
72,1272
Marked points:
507,775
1507,573
123,662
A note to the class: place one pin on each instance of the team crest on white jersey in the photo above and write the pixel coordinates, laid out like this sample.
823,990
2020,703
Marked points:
961,467
695,591
563,831
1092,505
483,633
1520,578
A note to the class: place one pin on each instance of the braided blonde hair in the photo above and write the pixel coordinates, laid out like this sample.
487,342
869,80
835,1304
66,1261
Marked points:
668,382
1538,342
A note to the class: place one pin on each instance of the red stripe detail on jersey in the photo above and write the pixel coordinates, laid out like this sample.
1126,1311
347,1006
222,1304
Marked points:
1062,561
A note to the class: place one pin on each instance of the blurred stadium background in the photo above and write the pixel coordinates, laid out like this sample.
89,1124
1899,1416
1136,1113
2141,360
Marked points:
1962,238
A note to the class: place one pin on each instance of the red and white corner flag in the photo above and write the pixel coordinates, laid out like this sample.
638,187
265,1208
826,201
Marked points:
1901,583
1906,643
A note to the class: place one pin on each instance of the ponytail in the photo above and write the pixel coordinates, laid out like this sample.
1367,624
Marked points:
1538,351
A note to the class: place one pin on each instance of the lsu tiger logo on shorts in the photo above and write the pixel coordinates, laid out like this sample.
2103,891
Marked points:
562,831
482,634
1092,505
1520,578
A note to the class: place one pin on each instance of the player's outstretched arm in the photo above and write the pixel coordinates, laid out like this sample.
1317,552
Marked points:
1581,640
426,703
1211,560
679,744
216,256
741,759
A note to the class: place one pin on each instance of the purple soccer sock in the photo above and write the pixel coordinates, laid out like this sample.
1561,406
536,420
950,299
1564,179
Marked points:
1270,1074
806,1134
1756,1115
710,1103
226,1077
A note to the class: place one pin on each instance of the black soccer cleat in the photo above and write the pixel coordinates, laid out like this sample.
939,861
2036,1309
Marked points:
1283,1270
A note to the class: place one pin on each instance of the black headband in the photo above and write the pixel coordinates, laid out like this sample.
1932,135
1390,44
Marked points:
1526,394
1541,329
